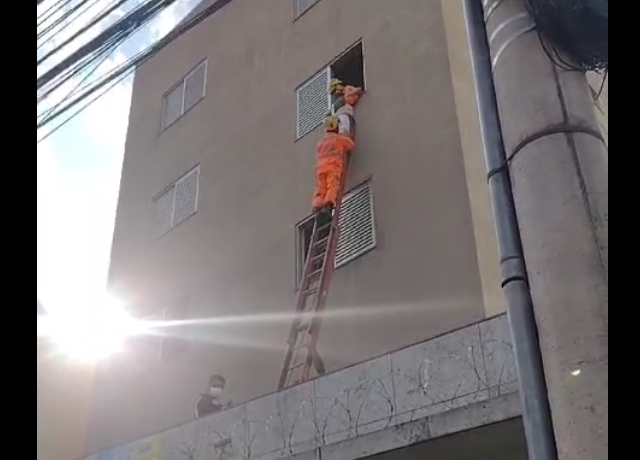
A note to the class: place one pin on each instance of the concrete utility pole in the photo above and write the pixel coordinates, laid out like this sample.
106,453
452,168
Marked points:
559,170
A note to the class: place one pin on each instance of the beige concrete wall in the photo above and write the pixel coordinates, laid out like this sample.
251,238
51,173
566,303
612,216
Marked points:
62,408
236,255
475,168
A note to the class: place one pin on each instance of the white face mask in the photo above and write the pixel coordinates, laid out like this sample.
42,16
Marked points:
215,391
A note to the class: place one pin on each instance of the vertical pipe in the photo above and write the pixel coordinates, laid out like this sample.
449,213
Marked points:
536,411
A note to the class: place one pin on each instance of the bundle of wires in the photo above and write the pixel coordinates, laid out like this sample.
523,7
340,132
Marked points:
95,49
575,33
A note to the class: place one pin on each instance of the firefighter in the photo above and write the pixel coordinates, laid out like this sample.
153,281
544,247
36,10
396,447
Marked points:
332,151
344,99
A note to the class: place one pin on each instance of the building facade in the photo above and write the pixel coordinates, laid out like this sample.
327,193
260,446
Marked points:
216,188
63,399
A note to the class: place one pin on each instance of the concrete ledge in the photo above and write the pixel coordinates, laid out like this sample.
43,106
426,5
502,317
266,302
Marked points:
451,383
430,428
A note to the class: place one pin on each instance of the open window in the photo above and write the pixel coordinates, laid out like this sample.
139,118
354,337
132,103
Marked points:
349,67
312,97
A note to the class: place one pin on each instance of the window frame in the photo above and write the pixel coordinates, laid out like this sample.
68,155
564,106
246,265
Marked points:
173,187
325,70
182,83
329,71
298,14
300,258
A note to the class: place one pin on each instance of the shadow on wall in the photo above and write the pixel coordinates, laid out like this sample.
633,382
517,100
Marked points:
501,441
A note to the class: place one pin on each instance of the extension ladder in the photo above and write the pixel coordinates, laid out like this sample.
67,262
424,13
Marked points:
302,355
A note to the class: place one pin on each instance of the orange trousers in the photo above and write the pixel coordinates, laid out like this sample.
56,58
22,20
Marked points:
328,177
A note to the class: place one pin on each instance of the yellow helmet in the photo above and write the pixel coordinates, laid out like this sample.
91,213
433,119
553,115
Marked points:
336,85
331,124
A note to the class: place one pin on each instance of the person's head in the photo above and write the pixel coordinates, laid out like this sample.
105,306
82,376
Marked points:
216,385
331,124
336,86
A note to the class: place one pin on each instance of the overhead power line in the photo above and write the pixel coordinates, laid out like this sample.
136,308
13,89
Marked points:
94,50
51,11
127,67
574,33
83,30
65,17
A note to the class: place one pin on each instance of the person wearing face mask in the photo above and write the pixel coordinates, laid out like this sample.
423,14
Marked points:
211,402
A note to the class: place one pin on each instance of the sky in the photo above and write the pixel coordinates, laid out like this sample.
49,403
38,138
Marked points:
79,169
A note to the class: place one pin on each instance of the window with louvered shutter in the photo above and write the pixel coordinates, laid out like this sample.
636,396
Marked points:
194,86
177,203
172,106
186,200
163,212
357,230
184,95
313,103
357,225
301,6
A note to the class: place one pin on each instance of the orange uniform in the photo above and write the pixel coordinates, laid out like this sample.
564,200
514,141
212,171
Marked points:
332,151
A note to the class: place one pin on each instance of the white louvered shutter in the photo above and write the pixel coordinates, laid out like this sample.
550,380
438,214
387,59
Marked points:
194,86
301,6
186,201
357,226
163,212
313,103
172,105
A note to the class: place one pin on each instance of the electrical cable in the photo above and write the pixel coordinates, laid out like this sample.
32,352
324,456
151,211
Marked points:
51,11
573,33
70,72
127,67
64,17
77,88
84,29
89,52
605,77
102,56
83,108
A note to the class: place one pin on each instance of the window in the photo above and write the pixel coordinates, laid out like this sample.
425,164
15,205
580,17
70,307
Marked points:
357,226
312,97
301,6
177,203
349,67
313,103
357,229
184,95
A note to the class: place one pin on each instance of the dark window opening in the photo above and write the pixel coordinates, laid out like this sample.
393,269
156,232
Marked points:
305,232
350,67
